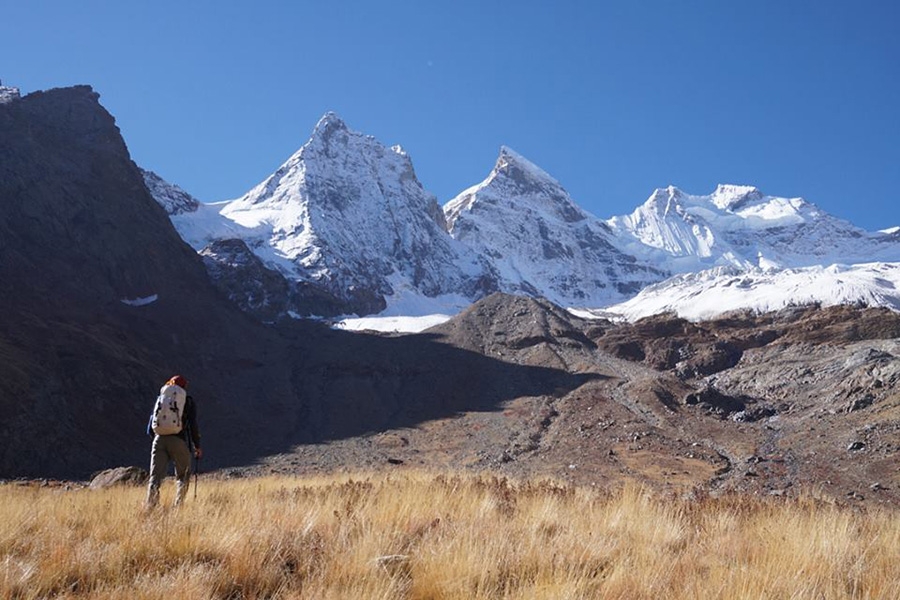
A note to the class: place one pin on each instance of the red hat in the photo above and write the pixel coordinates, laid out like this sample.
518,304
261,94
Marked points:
178,380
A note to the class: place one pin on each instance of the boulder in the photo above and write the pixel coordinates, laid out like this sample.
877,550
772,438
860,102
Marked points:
134,476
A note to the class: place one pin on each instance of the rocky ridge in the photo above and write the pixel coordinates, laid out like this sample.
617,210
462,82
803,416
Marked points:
171,197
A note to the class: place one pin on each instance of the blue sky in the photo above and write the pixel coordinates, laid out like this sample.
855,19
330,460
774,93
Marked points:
614,99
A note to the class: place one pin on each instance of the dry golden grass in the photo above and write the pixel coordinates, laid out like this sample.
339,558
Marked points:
415,535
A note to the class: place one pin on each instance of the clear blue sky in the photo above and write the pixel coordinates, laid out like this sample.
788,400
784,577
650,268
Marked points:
614,99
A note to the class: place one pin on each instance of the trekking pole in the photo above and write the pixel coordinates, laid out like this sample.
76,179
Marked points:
196,474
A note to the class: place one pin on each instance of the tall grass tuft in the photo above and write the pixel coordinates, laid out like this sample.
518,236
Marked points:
424,536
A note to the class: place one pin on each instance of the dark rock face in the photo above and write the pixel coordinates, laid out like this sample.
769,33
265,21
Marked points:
80,234
263,292
68,186
770,404
502,323
242,277
715,401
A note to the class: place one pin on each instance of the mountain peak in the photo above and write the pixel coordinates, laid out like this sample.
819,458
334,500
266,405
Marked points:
348,216
733,197
518,168
666,193
662,200
331,119
328,125
516,182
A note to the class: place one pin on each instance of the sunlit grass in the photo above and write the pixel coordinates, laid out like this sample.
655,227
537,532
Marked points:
417,535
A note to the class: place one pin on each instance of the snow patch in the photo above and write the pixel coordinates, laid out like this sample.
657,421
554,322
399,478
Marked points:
395,324
706,294
8,94
408,310
140,301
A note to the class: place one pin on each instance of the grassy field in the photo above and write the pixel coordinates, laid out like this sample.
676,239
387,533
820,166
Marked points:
417,536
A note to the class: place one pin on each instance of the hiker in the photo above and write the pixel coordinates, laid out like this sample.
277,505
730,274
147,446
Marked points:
174,427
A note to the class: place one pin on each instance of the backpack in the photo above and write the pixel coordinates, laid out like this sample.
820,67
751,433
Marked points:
168,410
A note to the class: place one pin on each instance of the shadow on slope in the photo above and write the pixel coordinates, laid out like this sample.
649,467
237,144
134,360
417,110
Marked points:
351,384
77,389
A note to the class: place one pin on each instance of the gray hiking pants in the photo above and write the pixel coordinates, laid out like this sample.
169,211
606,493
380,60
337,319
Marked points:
168,448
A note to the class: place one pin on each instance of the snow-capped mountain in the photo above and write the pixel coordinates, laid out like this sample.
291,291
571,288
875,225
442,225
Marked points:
540,242
344,226
345,216
706,294
740,226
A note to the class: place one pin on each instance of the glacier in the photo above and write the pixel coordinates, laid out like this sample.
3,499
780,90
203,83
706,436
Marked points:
713,292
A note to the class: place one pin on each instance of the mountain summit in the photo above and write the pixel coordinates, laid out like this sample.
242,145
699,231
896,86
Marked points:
539,241
514,176
742,227
349,216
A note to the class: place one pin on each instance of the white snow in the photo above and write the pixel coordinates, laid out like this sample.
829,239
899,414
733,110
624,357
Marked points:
407,300
705,294
671,222
140,301
740,226
510,156
728,195
8,94
595,313
393,324
171,197
408,311
205,225
777,212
